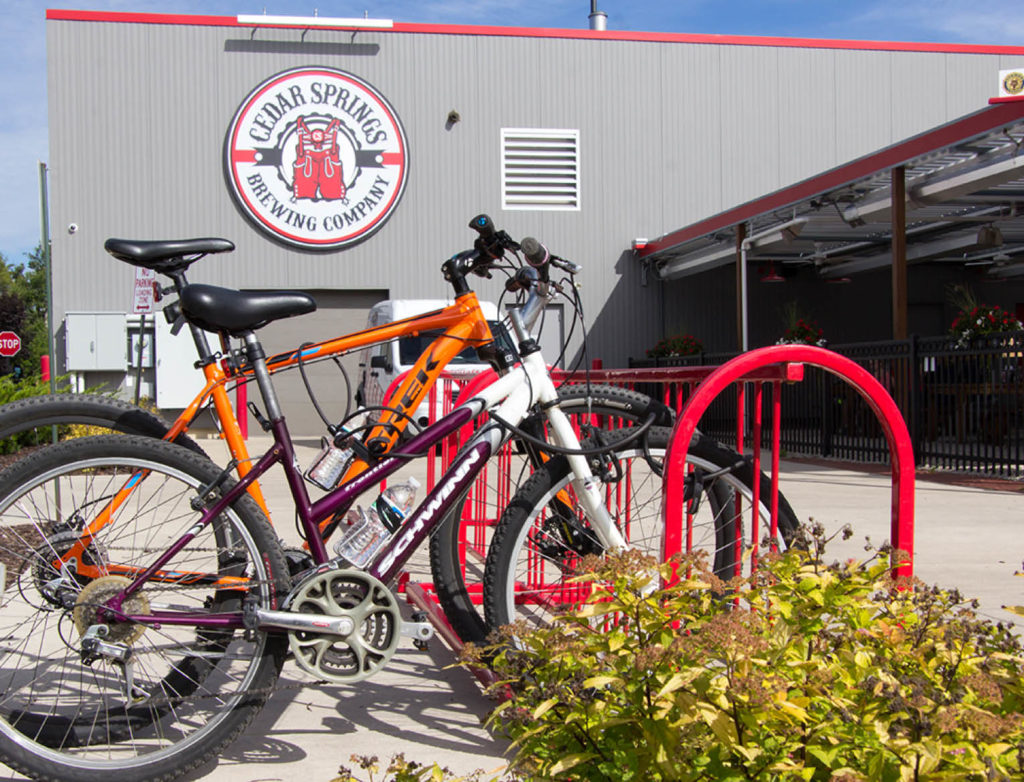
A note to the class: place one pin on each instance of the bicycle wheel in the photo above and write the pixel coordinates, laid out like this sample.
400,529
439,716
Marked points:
459,545
540,540
151,701
29,421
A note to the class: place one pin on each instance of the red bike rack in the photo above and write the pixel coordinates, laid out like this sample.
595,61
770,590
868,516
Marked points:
742,368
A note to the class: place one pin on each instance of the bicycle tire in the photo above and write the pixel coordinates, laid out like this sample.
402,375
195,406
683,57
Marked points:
38,413
451,567
528,559
190,692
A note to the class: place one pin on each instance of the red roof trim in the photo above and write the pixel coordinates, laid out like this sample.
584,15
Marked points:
140,18
1007,99
537,32
967,127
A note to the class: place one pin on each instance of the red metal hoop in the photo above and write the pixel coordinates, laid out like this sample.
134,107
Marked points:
893,425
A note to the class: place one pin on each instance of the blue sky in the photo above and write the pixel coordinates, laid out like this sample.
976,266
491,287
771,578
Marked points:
23,133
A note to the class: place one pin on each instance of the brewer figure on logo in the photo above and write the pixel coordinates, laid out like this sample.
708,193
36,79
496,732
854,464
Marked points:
318,163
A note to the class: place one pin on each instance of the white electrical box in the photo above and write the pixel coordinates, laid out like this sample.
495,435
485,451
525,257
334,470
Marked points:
96,341
177,379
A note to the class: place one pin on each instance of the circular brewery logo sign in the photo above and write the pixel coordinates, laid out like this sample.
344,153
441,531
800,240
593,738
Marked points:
317,157
1014,83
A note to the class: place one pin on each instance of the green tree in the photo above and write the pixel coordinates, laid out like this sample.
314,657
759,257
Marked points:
23,309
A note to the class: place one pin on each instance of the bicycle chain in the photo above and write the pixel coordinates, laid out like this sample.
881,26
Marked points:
165,700
261,692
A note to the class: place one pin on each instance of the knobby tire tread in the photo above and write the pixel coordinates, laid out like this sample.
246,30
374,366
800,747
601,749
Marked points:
36,412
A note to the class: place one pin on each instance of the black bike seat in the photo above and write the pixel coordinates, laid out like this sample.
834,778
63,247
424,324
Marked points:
236,312
165,256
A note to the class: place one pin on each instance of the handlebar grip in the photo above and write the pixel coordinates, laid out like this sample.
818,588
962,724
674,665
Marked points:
536,253
483,225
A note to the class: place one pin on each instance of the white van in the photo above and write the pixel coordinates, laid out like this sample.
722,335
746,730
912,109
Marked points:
379,365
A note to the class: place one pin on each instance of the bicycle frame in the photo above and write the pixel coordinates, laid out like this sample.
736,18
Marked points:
512,395
461,324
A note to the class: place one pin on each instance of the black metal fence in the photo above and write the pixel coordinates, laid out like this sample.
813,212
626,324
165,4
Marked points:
963,404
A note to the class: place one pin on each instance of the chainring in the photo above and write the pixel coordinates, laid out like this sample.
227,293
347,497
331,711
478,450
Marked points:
374,612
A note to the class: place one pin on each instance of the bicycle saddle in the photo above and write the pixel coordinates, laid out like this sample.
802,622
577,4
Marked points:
165,257
236,312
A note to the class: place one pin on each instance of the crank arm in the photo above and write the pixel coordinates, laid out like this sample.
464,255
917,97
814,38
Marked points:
341,626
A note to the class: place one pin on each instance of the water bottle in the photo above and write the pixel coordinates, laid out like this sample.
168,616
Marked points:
370,529
329,465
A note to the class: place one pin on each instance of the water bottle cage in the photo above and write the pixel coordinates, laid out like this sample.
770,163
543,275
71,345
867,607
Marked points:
389,514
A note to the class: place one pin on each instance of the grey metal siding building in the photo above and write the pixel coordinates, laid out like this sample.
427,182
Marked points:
671,129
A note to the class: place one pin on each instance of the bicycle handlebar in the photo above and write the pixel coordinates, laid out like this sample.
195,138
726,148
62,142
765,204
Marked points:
492,244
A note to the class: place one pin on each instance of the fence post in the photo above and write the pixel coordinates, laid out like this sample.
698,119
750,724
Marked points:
914,403
827,423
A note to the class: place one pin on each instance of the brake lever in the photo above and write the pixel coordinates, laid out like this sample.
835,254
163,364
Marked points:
508,242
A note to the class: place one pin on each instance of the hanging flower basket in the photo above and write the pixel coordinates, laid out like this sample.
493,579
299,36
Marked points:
686,345
980,321
803,332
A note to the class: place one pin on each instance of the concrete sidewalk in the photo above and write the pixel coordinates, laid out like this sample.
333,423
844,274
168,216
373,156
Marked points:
965,537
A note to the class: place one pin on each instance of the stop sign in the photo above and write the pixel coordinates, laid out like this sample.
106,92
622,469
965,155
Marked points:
10,344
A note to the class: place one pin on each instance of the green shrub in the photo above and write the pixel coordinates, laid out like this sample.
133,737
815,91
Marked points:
803,672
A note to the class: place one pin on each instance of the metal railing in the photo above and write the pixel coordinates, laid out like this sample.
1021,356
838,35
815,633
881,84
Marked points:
963,404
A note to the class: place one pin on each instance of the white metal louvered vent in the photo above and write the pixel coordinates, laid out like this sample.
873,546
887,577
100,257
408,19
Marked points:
540,169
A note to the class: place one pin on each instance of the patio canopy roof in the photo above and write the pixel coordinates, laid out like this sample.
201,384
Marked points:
964,204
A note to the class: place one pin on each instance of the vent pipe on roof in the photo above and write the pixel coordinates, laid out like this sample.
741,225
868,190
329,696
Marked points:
598,19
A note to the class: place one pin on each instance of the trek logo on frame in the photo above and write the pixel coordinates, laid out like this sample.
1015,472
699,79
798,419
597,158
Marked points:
317,158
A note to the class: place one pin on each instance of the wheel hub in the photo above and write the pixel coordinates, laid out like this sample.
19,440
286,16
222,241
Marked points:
54,585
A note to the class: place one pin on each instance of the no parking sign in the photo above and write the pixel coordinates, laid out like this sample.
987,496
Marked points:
143,300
